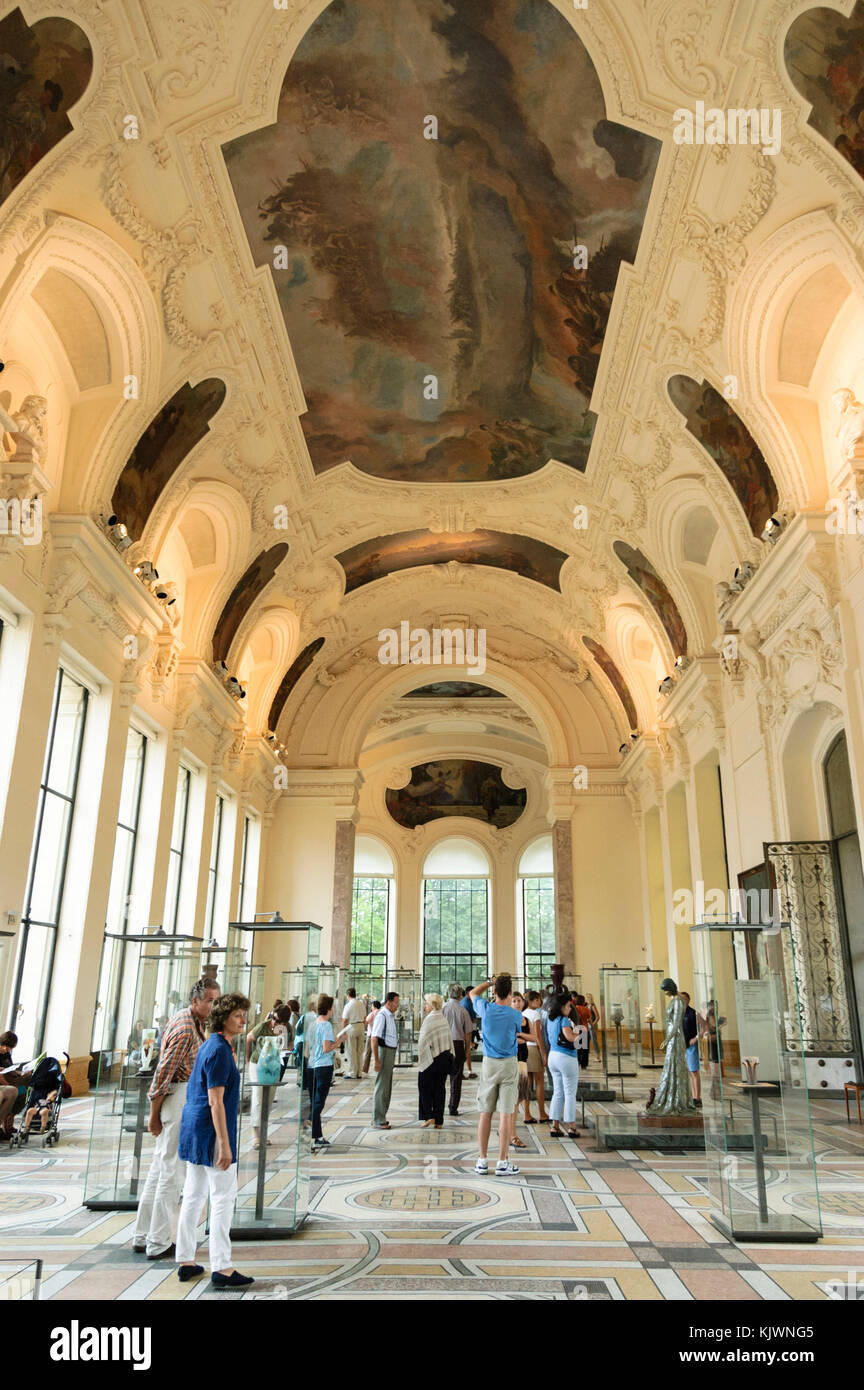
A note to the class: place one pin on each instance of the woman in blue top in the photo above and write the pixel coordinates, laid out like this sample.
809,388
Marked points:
563,1065
321,1067
208,1143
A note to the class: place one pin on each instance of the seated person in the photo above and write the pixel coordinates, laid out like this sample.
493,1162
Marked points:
40,1105
11,1089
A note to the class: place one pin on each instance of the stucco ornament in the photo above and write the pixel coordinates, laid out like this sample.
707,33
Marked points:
850,430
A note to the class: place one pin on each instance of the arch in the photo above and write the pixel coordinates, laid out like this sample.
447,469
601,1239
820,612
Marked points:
298,667
457,856
372,857
244,595
537,858
806,739
729,444
648,581
172,434
262,656
812,52
383,555
616,680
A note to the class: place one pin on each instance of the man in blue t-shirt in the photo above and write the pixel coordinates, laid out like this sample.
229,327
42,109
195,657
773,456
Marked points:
499,1076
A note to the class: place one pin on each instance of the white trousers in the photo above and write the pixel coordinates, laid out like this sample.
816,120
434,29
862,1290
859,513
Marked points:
565,1079
221,1186
158,1201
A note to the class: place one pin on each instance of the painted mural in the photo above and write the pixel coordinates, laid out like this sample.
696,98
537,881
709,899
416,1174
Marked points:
646,578
455,787
712,421
616,680
169,437
382,555
290,679
44,69
243,595
454,690
433,165
824,54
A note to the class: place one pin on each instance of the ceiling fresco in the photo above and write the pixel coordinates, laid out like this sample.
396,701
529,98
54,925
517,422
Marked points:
300,664
455,787
441,326
712,421
179,426
616,680
454,690
243,595
44,69
646,578
382,555
824,54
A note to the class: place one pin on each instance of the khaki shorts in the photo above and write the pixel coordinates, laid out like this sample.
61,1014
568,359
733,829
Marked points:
499,1085
535,1061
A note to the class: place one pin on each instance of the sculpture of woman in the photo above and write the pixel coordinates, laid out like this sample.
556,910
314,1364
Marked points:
673,1096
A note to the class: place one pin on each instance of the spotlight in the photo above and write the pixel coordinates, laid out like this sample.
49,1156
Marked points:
117,534
681,663
774,527
146,572
745,573
165,593
666,685
271,737
624,748
634,738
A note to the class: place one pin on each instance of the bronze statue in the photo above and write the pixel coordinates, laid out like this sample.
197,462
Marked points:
672,1096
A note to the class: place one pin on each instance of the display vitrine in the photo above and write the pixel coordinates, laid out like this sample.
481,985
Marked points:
144,980
758,1134
651,1016
619,1001
409,986
273,1178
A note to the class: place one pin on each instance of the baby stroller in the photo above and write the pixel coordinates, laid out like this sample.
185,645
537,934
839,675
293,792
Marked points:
47,1089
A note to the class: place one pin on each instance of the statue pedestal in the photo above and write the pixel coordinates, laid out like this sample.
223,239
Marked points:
669,1121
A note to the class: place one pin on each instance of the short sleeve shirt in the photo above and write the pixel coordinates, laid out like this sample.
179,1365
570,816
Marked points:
323,1033
214,1066
501,1028
554,1030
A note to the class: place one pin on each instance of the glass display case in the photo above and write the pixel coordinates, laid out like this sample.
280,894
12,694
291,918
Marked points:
651,1015
143,980
619,1001
20,1281
273,1178
755,1105
409,1016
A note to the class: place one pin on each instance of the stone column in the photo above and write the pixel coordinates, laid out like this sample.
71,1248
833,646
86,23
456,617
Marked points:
343,893
565,926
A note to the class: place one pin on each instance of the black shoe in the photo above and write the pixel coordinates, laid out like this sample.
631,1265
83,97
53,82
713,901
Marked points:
187,1272
163,1254
453,1112
230,1281
698,1104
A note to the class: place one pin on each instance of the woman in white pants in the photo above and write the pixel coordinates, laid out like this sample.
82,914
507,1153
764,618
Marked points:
208,1143
563,1066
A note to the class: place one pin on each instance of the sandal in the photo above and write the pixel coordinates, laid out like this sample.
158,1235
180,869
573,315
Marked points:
516,1144
573,1134
556,1133
530,1120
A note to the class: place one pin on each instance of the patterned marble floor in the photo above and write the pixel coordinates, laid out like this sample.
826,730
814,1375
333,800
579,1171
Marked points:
402,1214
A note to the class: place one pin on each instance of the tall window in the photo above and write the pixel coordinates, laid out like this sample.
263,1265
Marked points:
247,888
455,937
538,921
49,855
536,912
120,891
213,869
369,918
178,851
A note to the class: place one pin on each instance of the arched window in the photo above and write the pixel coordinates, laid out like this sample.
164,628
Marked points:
536,907
371,914
844,831
455,915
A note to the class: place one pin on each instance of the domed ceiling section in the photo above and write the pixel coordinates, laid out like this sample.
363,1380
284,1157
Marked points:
243,595
433,167
646,578
382,555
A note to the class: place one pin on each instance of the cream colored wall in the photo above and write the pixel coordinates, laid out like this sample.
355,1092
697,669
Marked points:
607,889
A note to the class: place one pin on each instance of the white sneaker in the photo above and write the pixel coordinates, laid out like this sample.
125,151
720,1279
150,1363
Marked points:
505,1169
481,1166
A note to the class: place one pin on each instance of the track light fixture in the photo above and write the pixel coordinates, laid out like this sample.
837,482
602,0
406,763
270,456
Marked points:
146,571
667,685
774,527
117,533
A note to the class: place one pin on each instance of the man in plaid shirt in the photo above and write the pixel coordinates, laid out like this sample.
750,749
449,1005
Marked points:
181,1039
